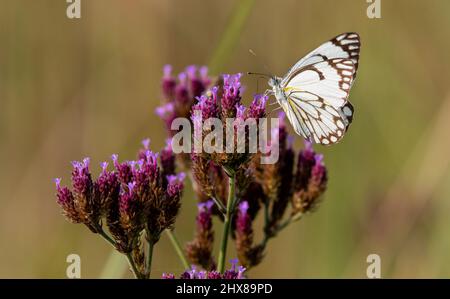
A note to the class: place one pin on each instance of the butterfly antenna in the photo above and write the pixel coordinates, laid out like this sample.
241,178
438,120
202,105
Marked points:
266,75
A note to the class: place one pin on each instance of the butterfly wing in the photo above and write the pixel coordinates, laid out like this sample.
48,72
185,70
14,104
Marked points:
346,45
317,103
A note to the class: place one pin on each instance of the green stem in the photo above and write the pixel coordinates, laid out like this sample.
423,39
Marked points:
135,271
105,237
176,245
280,227
220,205
227,222
149,257
108,239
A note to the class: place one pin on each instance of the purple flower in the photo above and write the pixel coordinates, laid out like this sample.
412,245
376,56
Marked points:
168,82
127,196
106,187
65,199
310,180
199,250
257,108
81,178
180,95
207,105
243,221
240,112
214,275
167,158
145,147
231,95
204,217
124,170
235,272
167,113
197,83
175,183
168,276
306,160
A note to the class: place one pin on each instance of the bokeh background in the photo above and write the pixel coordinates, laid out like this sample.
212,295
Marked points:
89,87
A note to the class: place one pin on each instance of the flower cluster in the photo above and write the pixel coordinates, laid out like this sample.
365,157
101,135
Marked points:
133,197
210,170
179,94
235,272
281,186
137,200
273,187
199,250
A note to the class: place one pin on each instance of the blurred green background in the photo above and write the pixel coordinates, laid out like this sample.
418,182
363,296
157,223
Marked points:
88,87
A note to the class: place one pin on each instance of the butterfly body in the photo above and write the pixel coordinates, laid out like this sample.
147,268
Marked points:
314,92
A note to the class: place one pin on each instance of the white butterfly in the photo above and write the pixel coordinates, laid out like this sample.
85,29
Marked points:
314,91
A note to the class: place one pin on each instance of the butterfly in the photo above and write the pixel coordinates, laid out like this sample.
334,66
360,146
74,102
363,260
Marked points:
314,92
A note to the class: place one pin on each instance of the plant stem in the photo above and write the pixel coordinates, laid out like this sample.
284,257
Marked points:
149,257
280,227
108,239
227,221
105,237
135,271
220,205
176,245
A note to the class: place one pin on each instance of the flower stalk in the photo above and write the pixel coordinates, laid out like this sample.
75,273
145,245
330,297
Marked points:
149,257
176,245
227,221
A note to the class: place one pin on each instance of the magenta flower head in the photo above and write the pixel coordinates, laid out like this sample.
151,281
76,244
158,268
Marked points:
235,272
310,181
240,112
277,181
65,199
85,201
180,95
124,170
168,276
167,113
231,95
130,198
207,105
257,108
145,147
167,159
243,222
199,250
198,79
305,163
107,187
169,83
248,254
81,178
175,184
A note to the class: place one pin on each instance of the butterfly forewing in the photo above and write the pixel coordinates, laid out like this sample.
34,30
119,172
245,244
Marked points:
346,45
330,80
317,100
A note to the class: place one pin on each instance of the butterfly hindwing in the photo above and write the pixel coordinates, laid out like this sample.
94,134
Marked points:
315,119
